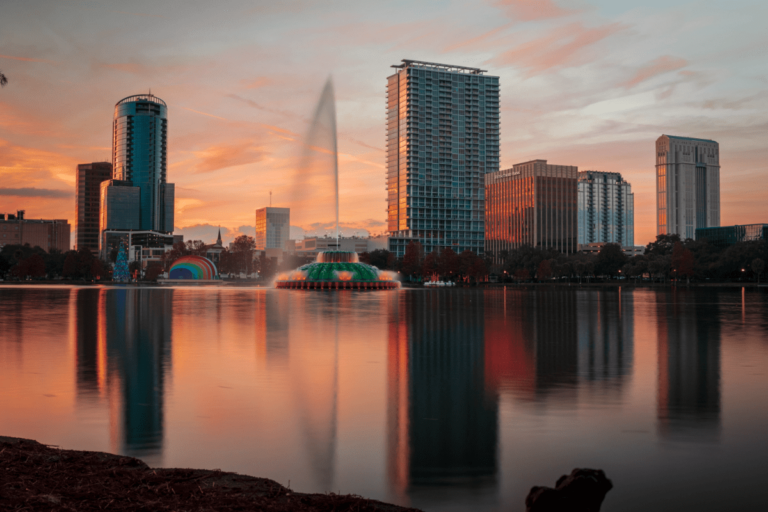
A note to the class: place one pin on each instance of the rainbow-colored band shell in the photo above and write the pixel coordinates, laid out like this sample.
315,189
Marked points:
193,267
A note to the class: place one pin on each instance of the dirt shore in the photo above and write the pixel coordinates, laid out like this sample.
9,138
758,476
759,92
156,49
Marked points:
39,477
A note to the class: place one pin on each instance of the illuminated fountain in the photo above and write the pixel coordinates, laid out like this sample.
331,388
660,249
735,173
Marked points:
333,270
337,270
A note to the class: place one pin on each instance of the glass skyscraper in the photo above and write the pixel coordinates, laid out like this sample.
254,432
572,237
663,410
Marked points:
442,138
139,156
606,209
687,185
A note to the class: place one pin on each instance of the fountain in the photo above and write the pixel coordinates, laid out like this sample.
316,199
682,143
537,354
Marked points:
333,270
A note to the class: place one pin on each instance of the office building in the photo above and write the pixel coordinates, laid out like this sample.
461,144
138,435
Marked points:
533,203
606,209
88,187
273,225
120,206
142,246
442,138
46,234
139,156
725,236
687,185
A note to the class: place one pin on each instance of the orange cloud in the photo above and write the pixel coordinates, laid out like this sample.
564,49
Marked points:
559,49
529,10
663,64
228,155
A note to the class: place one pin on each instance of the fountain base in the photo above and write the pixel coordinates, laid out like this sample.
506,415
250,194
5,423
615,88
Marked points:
337,270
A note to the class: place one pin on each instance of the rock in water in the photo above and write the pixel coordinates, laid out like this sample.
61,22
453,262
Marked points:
582,491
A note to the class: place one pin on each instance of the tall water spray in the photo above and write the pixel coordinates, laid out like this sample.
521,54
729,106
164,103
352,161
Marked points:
319,158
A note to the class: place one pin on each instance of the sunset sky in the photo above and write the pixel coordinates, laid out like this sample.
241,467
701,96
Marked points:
591,83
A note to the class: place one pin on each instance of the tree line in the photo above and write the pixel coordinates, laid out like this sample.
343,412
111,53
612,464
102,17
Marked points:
25,262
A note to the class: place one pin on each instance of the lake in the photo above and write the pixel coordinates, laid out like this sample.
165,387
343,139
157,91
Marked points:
451,399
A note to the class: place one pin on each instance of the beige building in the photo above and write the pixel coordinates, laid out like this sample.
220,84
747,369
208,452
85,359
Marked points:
273,226
687,185
46,234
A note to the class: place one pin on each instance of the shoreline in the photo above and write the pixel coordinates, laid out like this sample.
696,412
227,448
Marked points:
38,476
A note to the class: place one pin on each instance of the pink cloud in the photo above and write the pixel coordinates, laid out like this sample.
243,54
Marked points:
561,48
529,10
659,66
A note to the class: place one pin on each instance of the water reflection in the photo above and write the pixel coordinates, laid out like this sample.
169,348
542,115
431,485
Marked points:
605,337
688,402
442,426
123,340
442,399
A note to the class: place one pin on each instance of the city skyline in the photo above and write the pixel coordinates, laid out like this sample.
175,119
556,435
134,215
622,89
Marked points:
592,84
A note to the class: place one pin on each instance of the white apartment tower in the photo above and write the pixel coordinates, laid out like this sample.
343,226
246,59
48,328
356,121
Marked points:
687,185
606,209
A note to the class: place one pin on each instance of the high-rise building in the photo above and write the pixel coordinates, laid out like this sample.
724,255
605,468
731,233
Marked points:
120,206
533,203
687,185
139,156
442,138
273,226
46,234
606,209
88,186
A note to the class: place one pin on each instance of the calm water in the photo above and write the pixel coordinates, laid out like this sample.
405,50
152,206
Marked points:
441,399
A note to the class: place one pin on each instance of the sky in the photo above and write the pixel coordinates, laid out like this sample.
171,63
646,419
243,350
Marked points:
591,83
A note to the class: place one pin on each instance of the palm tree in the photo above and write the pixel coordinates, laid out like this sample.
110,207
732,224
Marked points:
3,79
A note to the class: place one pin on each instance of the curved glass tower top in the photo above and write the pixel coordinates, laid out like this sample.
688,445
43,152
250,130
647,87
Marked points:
139,155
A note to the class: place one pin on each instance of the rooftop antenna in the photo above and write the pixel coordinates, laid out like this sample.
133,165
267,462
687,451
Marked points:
270,198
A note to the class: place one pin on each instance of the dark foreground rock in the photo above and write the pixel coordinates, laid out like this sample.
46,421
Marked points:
34,476
582,491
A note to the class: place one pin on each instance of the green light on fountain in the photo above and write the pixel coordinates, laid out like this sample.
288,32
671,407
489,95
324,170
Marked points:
337,270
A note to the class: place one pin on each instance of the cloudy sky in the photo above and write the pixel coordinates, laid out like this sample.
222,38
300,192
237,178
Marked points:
590,83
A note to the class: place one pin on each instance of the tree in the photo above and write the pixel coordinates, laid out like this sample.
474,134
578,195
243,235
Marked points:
382,258
430,267
33,266
153,271
412,260
478,271
242,253
267,266
5,266
758,266
85,262
448,263
70,265
610,259
663,245
682,261
121,273
544,271
522,274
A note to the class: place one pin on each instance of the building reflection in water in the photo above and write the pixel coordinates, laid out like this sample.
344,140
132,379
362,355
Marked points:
688,400
305,348
605,337
442,426
531,346
123,340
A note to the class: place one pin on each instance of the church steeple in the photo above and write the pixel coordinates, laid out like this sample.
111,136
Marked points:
218,240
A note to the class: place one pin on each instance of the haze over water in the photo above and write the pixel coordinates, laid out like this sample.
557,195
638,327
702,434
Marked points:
441,399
